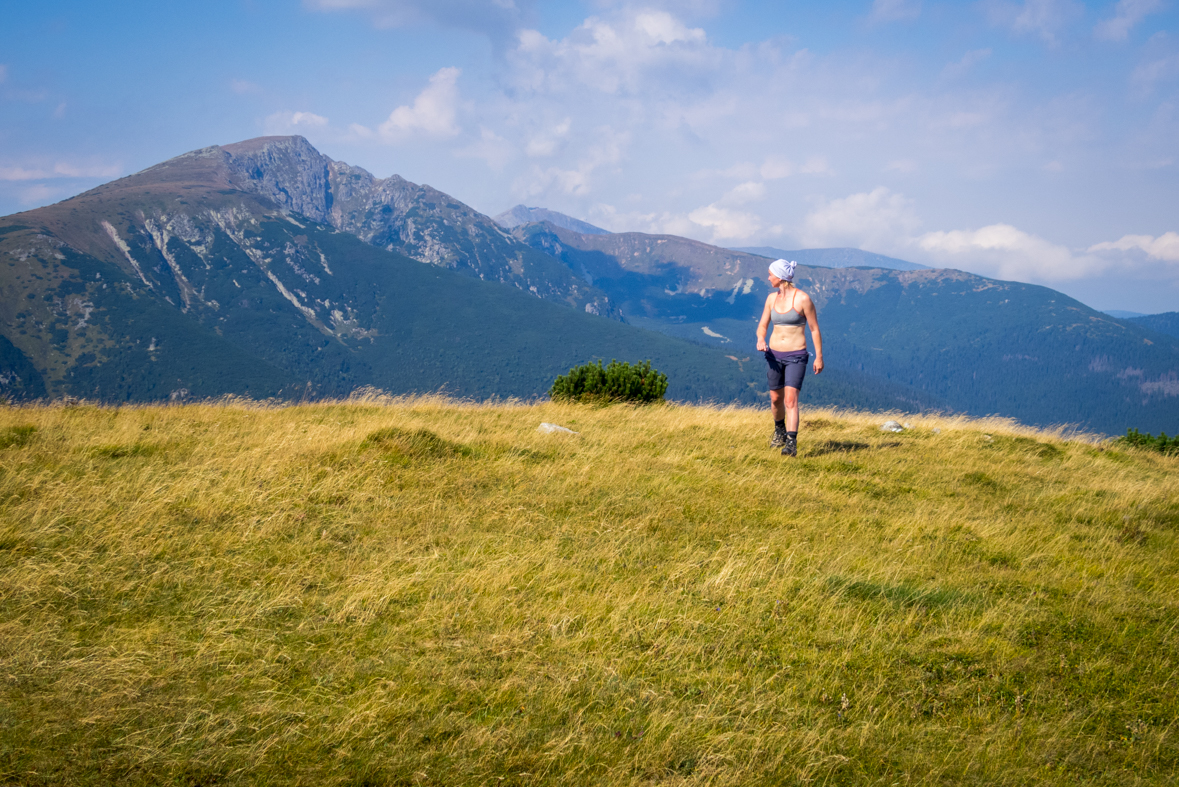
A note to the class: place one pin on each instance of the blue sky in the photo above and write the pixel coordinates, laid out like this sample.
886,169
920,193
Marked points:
1035,140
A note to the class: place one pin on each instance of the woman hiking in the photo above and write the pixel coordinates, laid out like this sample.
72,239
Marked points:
788,309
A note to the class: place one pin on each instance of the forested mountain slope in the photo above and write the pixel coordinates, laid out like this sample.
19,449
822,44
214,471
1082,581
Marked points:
1167,322
983,346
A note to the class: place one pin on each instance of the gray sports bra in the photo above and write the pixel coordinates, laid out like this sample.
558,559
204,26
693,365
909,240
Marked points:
791,317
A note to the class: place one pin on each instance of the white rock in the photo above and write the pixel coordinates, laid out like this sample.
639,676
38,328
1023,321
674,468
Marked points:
908,425
937,430
891,426
554,429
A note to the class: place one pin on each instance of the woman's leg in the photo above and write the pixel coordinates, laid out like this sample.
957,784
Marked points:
777,406
788,403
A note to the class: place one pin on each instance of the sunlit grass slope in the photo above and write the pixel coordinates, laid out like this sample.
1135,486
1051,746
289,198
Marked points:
423,592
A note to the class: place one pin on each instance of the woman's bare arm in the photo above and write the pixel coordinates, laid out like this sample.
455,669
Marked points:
812,321
764,324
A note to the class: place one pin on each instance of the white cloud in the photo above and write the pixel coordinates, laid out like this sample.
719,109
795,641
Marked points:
895,10
968,61
607,149
816,165
1127,14
659,223
545,143
776,167
1165,247
288,122
61,169
1006,252
726,223
878,219
433,113
713,223
358,131
1045,18
750,191
637,53
884,221
1147,75
491,148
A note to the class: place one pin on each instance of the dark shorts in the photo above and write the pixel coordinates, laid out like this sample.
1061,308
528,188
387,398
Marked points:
786,370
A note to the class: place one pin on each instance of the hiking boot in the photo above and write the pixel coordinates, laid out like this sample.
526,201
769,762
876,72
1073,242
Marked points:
790,447
779,438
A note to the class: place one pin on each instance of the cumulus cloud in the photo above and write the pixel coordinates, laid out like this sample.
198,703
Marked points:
631,55
434,111
726,223
288,122
887,222
877,219
1127,14
1044,18
60,169
895,10
750,191
1165,247
1006,252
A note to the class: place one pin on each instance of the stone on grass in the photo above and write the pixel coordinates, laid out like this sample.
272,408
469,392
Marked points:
554,429
891,426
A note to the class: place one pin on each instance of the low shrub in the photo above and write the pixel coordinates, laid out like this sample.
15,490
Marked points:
1162,443
617,382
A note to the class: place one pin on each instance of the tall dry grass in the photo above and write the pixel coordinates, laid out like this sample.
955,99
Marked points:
421,591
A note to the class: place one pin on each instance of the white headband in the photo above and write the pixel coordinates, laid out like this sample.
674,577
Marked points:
783,270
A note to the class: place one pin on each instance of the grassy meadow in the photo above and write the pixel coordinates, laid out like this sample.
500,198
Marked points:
430,592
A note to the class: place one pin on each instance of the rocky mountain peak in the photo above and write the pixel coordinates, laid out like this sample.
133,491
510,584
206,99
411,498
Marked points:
288,170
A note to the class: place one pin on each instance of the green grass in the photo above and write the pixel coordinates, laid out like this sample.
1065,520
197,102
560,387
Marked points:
419,591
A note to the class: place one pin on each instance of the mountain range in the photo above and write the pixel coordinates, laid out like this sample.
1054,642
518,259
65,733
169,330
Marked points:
514,217
268,269
835,258
981,345
264,268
